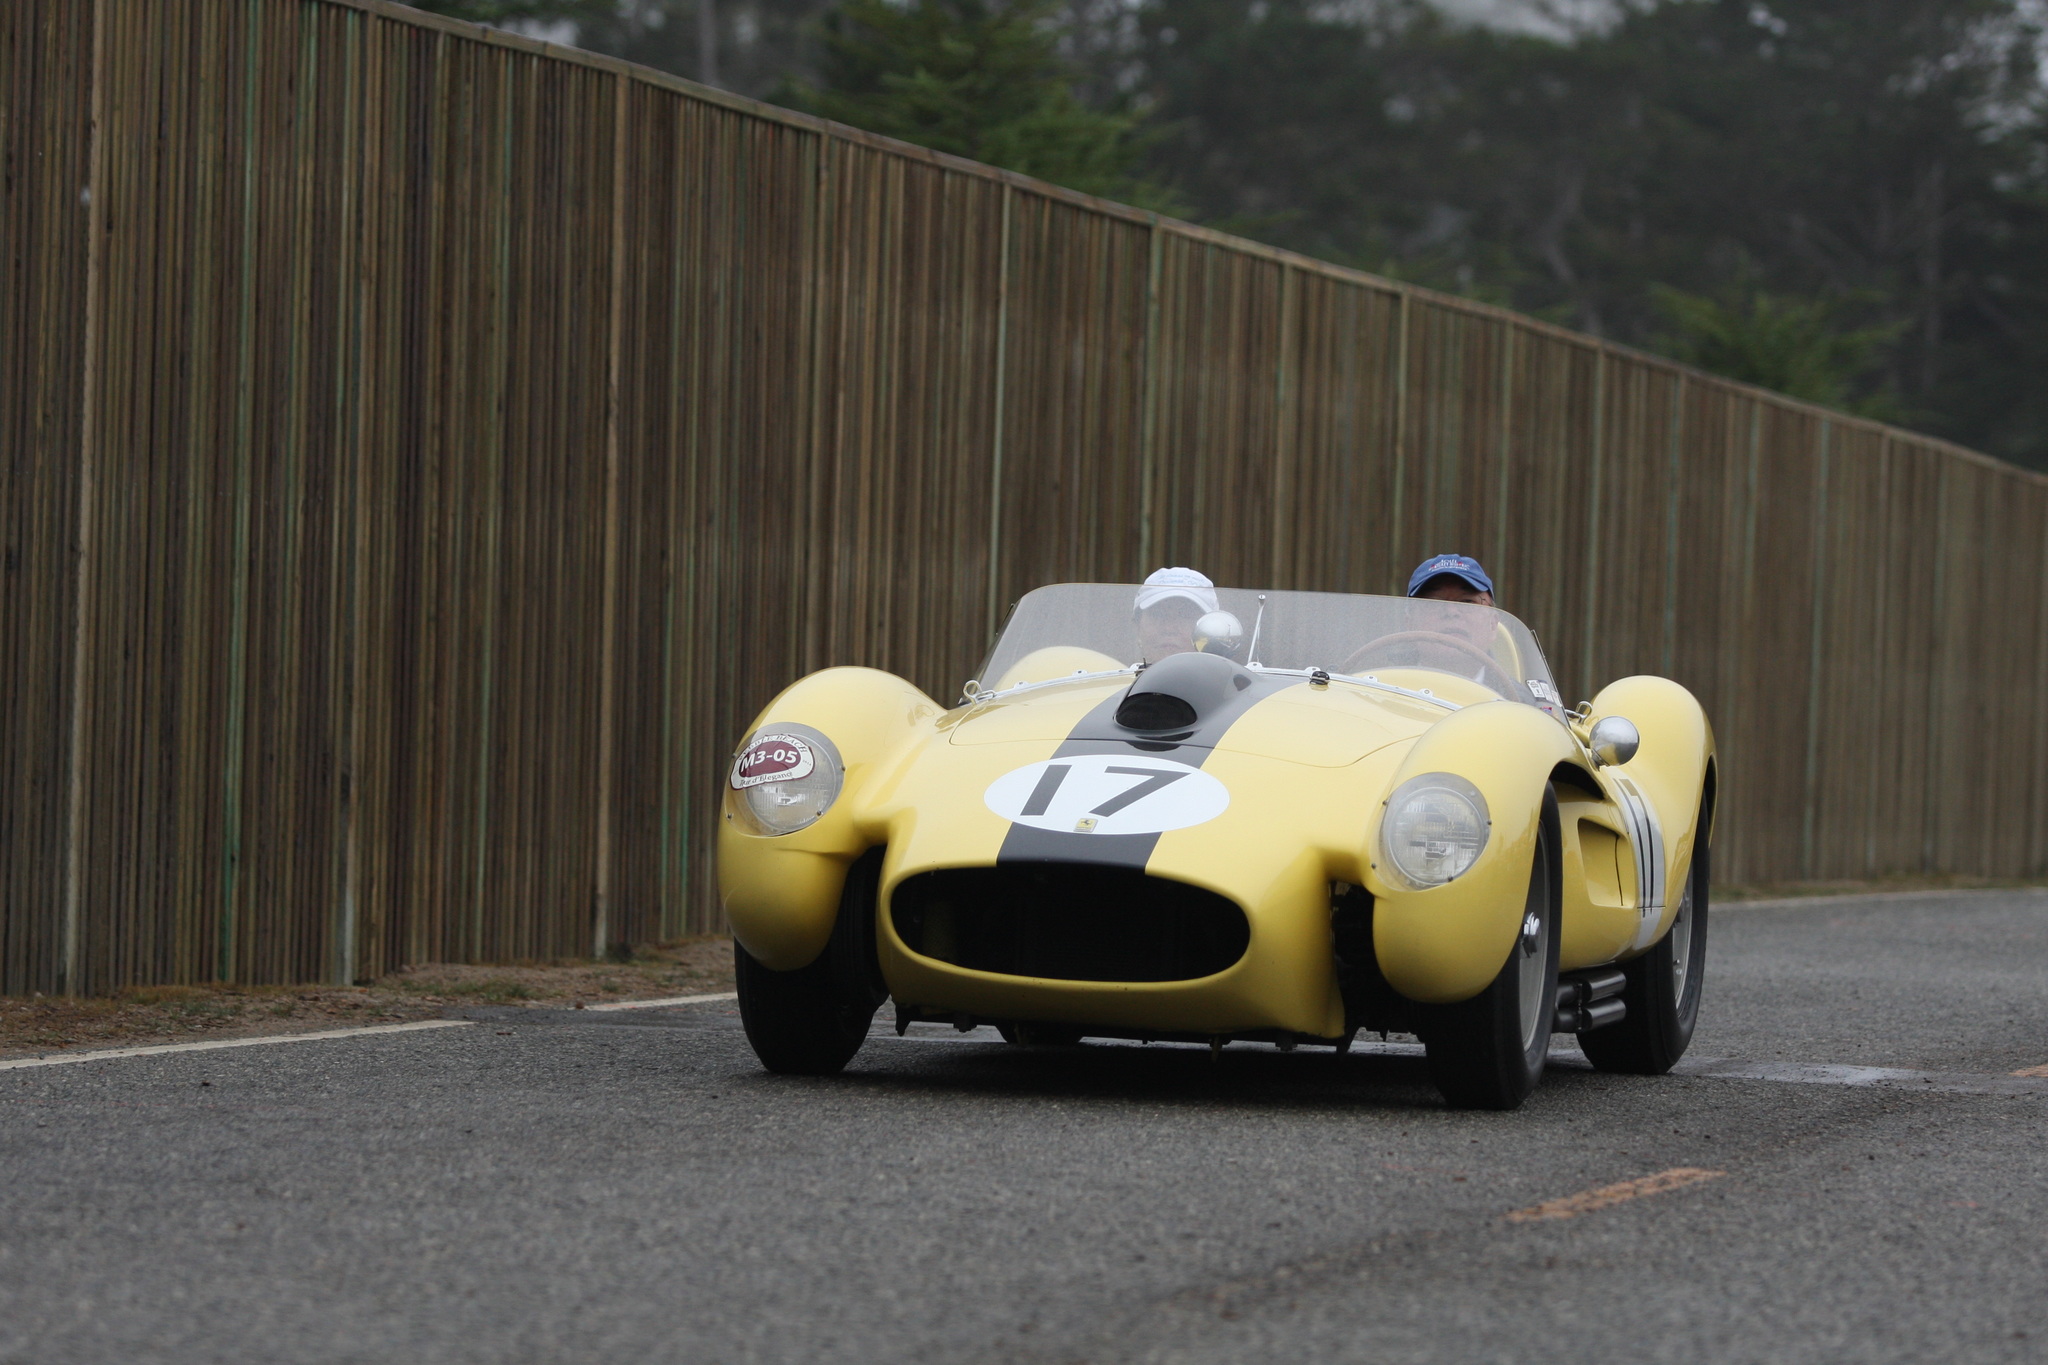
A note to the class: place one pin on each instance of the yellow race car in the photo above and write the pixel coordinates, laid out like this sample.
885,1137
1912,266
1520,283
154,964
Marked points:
1312,814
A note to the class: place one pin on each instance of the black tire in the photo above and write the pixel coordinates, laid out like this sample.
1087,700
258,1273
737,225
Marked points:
1663,1000
810,1022
1488,1052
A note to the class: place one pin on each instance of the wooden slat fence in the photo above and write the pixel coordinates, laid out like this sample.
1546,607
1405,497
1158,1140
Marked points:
421,450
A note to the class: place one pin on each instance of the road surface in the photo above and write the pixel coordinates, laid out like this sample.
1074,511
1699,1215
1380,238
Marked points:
1849,1170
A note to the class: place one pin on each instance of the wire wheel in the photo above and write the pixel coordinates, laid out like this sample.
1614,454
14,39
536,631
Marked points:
1488,1052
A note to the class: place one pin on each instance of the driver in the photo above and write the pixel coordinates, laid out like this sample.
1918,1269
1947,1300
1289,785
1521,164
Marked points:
1451,578
1459,579
1168,605
1454,578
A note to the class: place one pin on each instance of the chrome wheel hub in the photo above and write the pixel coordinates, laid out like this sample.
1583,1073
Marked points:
1681,943
1532,959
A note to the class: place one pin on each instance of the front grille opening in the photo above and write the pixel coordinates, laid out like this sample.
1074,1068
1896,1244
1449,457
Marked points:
1069,922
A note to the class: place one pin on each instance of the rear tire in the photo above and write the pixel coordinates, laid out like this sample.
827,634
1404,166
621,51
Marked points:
1488,1052
1663,991
810,1022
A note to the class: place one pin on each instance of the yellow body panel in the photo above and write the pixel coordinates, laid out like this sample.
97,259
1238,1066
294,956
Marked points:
1448,942
1600,917
1670,770
781,893
1307,770
1046,714
1054,661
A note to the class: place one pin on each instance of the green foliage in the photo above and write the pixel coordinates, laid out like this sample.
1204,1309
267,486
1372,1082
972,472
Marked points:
1695,175
982,79
1758,153
1799,347
750,47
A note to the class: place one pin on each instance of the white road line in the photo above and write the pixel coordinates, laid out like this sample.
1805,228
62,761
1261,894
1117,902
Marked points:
1864,1077
1841,900
112,1054
323,1035
664,1004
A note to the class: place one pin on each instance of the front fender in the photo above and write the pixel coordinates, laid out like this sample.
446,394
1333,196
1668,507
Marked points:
1670,769
781,892
1448,943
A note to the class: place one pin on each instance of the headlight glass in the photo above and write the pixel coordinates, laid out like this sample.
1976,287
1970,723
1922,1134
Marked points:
784,779
1435,827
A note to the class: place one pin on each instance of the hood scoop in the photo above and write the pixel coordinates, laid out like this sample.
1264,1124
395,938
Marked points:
1179,692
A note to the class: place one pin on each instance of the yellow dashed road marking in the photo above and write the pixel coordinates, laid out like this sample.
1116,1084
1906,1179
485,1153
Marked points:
1572,1205
2041,1071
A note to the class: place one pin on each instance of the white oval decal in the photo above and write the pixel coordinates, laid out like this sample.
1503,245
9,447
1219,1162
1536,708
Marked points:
772,758
1107,794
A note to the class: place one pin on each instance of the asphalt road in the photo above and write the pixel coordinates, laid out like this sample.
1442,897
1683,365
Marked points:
632,1188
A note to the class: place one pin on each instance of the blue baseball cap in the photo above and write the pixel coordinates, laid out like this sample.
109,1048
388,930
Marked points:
1457,566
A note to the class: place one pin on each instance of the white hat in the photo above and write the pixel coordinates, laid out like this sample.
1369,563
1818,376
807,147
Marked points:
1166,584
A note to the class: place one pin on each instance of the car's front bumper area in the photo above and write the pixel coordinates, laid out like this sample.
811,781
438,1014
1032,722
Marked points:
1116,948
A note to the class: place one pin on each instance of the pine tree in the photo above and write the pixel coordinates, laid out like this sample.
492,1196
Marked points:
982,79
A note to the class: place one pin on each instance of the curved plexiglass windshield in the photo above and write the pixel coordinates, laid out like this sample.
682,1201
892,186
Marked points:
1074,628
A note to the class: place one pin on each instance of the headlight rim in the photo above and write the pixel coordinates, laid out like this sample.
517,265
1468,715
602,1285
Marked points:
1459,787
829,770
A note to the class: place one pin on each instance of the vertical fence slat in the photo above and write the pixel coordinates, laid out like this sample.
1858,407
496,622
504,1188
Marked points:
425,450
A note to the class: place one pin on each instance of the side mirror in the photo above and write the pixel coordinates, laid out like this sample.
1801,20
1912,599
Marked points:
1219,632
1614,741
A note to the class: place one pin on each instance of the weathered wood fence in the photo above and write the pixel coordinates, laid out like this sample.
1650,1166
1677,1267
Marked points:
422,449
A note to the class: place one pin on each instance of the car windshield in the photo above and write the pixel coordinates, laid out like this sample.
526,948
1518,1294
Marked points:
1073,628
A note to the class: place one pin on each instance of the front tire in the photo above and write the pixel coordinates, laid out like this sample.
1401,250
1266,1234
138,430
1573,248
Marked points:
1488,1052
1663,991
810,1022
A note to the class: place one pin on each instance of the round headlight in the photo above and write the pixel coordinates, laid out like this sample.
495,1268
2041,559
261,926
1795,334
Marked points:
1435,827
785,779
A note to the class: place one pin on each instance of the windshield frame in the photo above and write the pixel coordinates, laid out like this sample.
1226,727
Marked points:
1086,621
976,695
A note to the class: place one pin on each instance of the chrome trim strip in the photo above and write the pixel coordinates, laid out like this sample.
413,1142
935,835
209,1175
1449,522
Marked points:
979,697
1371,682
1646,837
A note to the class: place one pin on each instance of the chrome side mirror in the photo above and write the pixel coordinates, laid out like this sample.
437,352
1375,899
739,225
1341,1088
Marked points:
1614,741
1219,632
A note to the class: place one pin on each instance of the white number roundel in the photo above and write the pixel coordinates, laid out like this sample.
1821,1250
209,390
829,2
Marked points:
1107,794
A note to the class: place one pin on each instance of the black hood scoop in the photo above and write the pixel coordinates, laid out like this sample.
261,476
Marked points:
1177,709
1180,692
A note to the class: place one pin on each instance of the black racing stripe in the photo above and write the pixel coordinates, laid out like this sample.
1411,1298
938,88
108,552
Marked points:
1098,733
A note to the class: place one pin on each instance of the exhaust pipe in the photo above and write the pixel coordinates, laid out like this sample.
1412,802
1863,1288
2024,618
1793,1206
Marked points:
1590,1000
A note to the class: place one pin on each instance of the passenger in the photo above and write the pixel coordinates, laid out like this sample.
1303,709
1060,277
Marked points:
1168,605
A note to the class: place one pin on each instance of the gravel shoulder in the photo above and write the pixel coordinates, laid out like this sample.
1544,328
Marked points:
146,1015
143,1016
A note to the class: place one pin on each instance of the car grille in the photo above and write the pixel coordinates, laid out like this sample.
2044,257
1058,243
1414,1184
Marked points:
1069,922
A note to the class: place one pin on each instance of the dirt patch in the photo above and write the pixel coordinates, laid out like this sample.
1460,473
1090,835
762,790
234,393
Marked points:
145,1015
